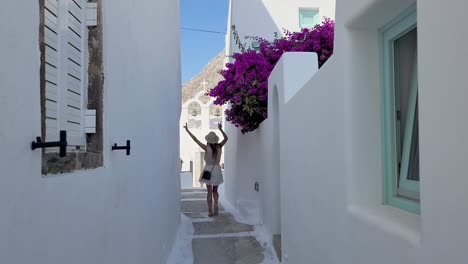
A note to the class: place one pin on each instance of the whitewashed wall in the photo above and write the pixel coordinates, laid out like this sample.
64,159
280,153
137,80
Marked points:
329,134
443,130
254,157
265,17
258,18
128,211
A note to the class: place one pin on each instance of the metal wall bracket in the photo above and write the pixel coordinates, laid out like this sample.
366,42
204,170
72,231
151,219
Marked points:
62,144
127,147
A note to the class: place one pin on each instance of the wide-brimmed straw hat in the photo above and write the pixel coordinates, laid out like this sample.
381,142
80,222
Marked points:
212,138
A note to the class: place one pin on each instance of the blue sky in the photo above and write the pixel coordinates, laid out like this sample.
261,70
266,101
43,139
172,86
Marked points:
197,48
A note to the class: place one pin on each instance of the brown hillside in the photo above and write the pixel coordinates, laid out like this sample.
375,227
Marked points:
210,73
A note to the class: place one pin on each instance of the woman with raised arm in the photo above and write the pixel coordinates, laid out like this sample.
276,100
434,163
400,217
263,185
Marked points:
212,175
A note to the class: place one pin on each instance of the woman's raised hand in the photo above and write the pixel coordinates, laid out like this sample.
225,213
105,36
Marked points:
220,126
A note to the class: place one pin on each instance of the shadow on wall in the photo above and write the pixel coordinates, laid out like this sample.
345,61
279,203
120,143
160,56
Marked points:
253,19
258,154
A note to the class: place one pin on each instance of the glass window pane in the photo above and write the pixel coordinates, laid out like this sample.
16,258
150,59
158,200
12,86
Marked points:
406,123
413,170
404,51
255,45
308,17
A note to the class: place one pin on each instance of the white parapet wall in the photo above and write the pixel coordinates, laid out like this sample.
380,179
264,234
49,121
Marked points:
254,157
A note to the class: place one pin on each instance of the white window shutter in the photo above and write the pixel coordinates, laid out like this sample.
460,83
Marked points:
74,75
72,70
51,40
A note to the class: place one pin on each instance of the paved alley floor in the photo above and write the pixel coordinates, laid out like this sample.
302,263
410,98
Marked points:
220,239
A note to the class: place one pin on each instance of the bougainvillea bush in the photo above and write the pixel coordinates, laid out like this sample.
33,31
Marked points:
245,83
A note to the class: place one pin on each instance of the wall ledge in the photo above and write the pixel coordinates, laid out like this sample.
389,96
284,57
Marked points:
404,225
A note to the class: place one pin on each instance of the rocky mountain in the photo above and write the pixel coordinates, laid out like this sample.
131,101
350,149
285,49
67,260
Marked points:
209,74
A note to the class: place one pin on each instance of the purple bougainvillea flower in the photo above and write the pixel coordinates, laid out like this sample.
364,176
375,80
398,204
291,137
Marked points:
245,81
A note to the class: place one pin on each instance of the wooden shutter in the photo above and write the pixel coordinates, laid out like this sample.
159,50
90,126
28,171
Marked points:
51,40
74,75
66,69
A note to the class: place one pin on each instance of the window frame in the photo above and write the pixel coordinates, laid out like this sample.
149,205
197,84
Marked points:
398,27
91,155
315,17
255,45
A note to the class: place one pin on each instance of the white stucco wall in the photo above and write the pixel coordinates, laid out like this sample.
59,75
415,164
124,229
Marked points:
329,134
443,130
258,18
263,18
254,157
127,211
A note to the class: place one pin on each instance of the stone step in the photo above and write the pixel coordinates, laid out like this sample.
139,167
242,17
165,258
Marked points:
192,195
197,207
219,239
227,250
195,215
223,223
193,190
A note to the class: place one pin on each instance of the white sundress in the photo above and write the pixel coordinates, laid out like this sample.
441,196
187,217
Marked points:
212,164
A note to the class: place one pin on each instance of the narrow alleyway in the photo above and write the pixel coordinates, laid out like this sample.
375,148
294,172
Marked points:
217,240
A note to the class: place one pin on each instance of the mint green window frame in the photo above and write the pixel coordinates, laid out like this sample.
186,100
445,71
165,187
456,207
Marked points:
255,45
396,156
308,18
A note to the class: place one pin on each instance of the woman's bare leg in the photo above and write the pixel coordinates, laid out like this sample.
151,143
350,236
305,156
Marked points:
216,198
209,200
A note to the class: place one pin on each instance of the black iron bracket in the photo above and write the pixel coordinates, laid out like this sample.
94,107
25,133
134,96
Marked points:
62,144
127,147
